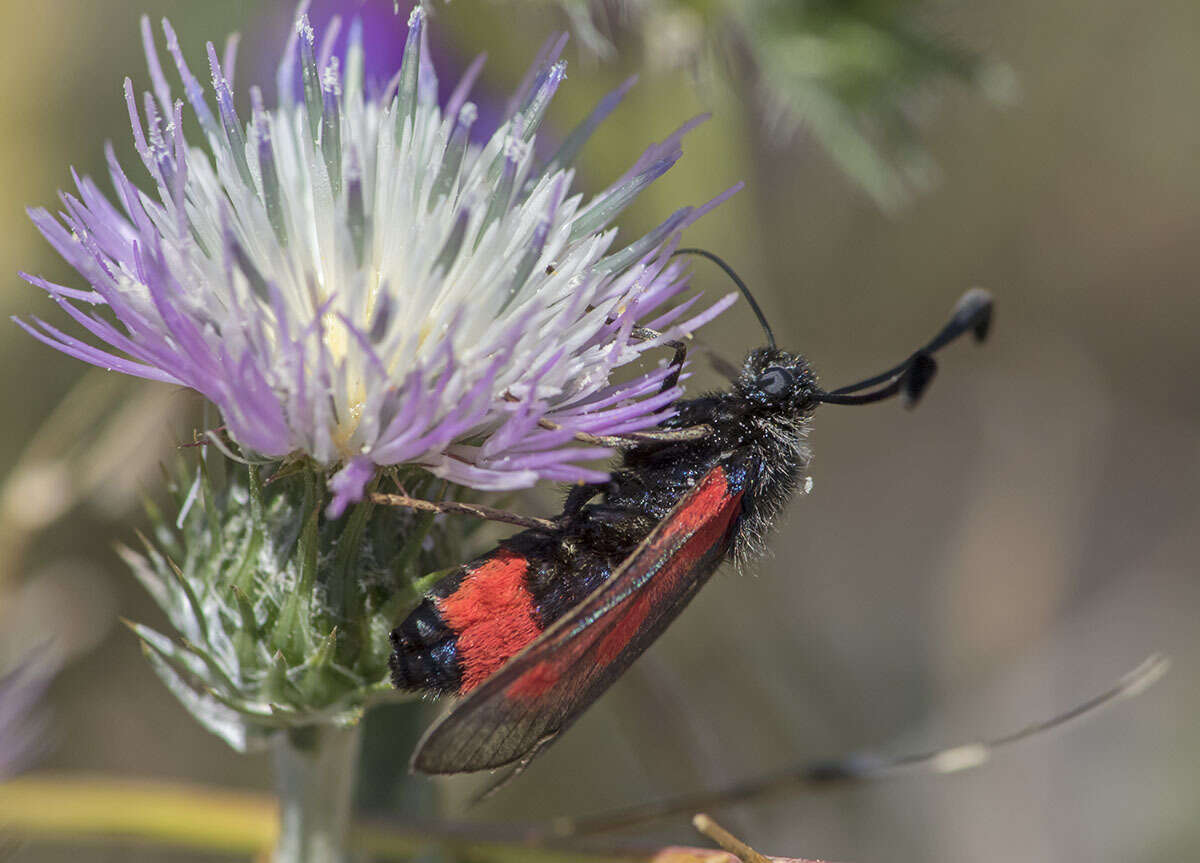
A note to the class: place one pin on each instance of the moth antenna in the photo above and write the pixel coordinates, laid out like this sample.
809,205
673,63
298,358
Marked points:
972,313
737,280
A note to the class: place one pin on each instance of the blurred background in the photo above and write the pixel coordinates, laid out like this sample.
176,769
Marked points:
999,555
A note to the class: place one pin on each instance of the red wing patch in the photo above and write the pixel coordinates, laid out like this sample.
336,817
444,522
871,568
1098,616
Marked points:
535,682
542,690
493,615
694,522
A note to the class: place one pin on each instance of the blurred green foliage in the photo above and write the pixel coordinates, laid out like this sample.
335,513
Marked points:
858,75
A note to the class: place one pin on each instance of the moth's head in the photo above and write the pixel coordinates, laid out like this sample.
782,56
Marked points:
779,380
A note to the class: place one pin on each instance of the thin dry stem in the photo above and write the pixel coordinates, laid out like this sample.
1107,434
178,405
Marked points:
727,840
472,509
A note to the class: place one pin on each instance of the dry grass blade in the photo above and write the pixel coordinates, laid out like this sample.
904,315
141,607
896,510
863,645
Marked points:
731,844
862,767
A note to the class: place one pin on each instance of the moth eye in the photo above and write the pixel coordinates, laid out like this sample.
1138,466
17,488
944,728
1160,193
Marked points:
775,381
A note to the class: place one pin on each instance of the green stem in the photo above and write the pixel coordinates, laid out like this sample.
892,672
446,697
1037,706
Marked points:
344,592
314,775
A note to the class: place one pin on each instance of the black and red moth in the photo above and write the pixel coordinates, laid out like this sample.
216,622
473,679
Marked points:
534,631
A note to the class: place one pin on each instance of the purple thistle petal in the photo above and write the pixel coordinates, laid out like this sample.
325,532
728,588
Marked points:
182,329
664,320
327,39
547,56
179,175
129,196
565,157
612,395
229,120
706,208
408,81
229,56
71,346
618,402
364,343
108,333
68,246
105,213
697,321
639,423
348,485
608,204
91,297
110,233
285,77
427,85
161,89
623,415
668,148
459,95
523,422
135,122
541,460
462,471
545,87
398,430
472,409
251,408
191,87
533,438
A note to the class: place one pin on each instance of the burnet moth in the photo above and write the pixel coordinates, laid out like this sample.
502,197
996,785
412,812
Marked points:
534,631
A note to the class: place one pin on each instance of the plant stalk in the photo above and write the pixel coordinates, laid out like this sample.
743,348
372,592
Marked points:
314,775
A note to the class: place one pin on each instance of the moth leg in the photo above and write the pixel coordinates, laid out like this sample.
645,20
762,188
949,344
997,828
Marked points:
646,335
474,510
579,496
722,366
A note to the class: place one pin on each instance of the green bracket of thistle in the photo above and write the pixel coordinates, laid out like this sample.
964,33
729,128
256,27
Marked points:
281,616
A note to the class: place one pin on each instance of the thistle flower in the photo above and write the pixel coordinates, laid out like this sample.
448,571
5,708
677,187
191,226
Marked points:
349,279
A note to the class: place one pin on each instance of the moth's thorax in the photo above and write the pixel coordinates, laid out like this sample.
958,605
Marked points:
775,394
